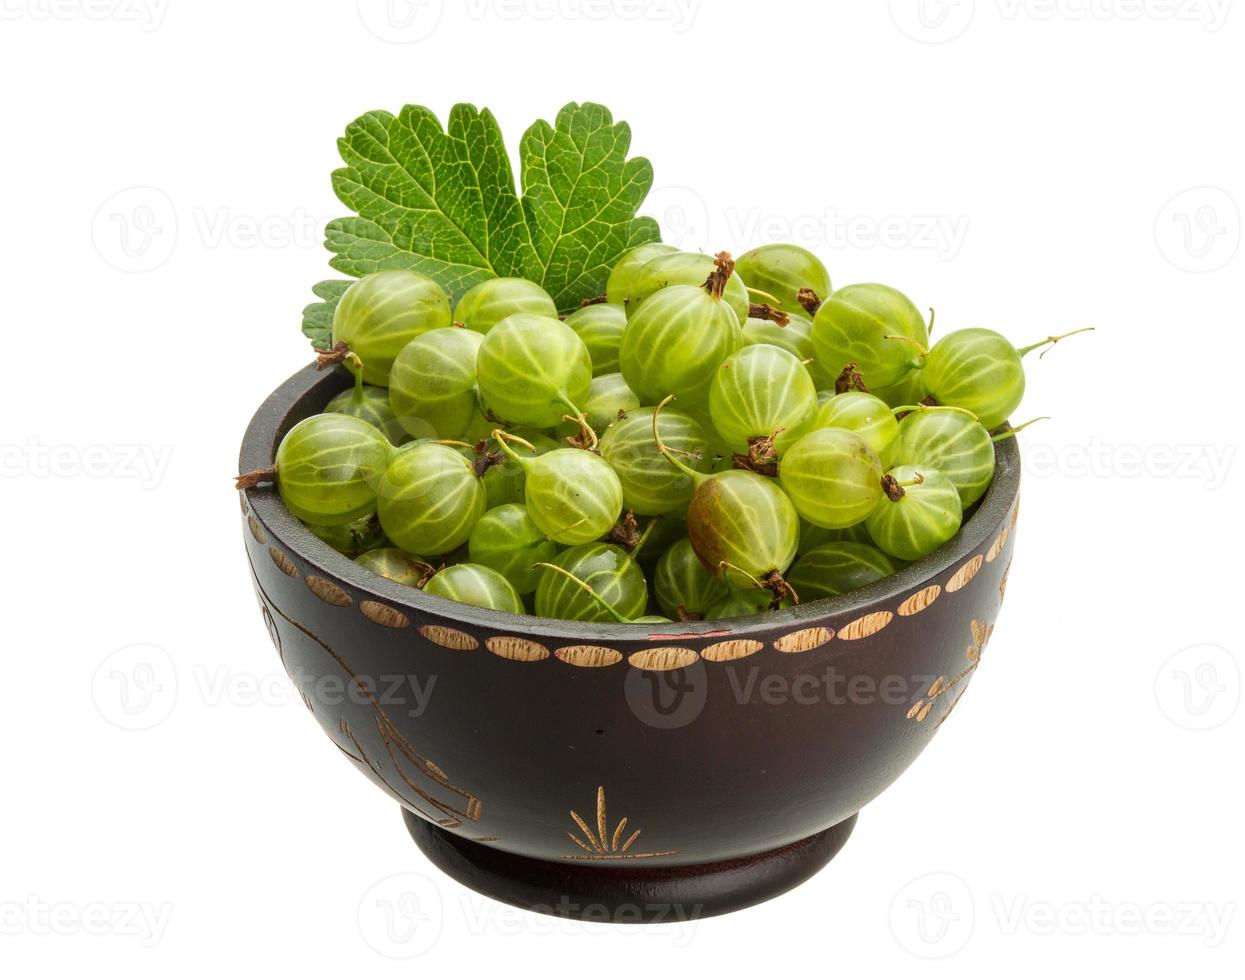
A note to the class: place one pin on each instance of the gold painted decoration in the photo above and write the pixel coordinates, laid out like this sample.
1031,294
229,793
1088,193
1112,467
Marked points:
806,639
283,562
662,658
588,656
728,650
384,615
327,591
516,648
448,637
599,843
965,573
866,625
257,532
919,601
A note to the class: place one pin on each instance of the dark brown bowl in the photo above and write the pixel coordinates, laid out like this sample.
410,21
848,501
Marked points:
623,772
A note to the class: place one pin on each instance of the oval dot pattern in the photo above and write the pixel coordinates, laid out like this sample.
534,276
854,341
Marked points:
657,658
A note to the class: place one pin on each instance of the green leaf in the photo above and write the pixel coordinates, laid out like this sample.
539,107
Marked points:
318,317
443,202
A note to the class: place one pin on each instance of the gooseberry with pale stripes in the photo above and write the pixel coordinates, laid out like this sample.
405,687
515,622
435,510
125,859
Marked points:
684,589
919,512
852,327
328,468
430,498
836,567
833,478
533,370
381,313
475,585
507,540
591,583
782,270
487,303
432,386
761,400
572,494
651,485
677,339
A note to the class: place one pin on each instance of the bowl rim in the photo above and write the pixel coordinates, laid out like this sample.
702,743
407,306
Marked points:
306,392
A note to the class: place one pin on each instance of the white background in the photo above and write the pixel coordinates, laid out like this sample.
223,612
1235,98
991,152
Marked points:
1080,163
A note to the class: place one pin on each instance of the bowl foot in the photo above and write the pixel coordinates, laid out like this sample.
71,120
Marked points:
632,894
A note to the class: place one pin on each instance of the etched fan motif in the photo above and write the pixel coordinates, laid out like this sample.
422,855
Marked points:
603,845
920,711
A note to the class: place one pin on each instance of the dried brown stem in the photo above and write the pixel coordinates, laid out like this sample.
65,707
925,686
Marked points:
850,379
723,268
254,478
763,311
593,301
808,299
334,355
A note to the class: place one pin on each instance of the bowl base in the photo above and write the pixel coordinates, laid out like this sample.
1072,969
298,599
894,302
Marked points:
632,894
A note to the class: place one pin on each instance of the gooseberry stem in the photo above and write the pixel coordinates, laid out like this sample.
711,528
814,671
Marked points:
770,299
850,379
333,355
253,478
809,300
587,438
735,568
918,407
666,451
1011,430
765,311
723,267
1051,341
503,440
618,617
921,348
894,489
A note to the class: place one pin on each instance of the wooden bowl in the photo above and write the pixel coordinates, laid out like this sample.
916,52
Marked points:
631,773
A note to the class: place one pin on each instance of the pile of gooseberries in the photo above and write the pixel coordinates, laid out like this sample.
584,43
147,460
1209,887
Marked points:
709,439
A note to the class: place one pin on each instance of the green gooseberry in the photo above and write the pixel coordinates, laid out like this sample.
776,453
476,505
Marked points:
812,536
918,513
619,285
688,269
487,303
382,312
833,478
837,567
370,403
908,391
432,387
397,566
328,468
853,326
979,370
741,525
430,498
475,585
683,587
351,539
745,602
782,270
790,331
600,326
507,540
533,370
572,494
651,485
592,583
761,401
866,415
954,443
677,339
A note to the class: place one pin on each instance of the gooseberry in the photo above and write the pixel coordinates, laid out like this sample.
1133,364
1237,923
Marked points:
430,498
475,585
487,303
918,513
507,540
381,313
